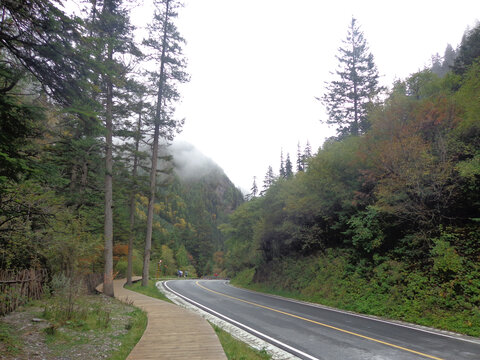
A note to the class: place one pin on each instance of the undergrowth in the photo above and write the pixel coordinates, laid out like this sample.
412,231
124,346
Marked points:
75,325
238,350
389,289
9,343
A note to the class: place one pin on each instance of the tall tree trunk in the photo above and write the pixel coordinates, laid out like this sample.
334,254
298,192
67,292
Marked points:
355,126
108,226
153,171
151,201
132,202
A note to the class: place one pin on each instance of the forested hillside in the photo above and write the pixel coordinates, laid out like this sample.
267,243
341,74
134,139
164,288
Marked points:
192,202
385,219
82,115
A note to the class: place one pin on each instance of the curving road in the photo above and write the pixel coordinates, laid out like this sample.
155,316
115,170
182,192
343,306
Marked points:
313,332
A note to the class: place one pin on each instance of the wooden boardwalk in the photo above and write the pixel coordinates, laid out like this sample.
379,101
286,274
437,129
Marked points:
172,332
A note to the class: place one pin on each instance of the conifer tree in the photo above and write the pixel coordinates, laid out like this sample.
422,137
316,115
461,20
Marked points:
468,51
111,36
288,167
282,171
268,181
308,150
449,58
139,107
348,98
165,43
47,43
300,159
254,188
442,65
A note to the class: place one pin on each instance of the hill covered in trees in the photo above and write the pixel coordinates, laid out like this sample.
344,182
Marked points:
44,224
192,203
84,108
385,218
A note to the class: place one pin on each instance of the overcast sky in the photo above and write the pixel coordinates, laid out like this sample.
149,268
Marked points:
256,67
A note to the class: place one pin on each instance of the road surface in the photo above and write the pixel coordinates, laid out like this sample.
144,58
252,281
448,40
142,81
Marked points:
314,332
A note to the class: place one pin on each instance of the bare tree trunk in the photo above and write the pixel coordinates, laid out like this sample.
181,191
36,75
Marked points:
151,201
84,180
108,226
132,202
73,178
153,171
356,125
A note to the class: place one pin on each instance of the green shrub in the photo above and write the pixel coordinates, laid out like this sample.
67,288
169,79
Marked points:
244,278
122,264
444,298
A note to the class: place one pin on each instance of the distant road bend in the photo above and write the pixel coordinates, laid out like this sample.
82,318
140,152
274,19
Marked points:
311,331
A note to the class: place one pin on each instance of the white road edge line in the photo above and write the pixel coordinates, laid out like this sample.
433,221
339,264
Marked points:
433,332
241,325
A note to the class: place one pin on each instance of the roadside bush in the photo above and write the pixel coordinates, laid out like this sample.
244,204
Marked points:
442,296
122,264
244,278
67,306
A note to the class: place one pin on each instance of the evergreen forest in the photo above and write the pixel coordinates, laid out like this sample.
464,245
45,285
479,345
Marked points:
385,218
87,171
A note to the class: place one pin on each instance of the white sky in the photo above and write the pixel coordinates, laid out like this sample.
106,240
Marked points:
257,65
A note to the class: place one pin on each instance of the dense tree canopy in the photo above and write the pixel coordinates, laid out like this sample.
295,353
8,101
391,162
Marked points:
379,220
468,51
77,114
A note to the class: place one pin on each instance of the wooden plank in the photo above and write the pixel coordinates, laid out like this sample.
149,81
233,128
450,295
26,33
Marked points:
172,332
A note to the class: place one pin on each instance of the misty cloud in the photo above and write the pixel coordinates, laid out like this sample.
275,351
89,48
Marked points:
190,163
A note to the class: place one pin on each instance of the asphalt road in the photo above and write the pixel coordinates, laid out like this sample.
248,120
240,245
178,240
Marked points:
313,332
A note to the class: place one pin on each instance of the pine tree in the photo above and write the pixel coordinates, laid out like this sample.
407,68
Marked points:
139,107
468,51
436,66
254,188
282,171
300,159
112,37
307,154
449,57
268,181
288,167
442,65
308,150
165,42
348,98
48,44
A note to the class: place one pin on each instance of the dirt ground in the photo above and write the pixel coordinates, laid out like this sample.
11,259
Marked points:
33,343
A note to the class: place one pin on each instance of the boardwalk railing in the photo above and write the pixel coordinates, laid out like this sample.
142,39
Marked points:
17,287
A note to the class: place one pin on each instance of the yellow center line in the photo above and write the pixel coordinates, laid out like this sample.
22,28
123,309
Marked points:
321,324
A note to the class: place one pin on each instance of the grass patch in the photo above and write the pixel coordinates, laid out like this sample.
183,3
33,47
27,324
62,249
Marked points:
85,314
136,327
149,290
95,320
9,343
244,278
94,327
238,350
